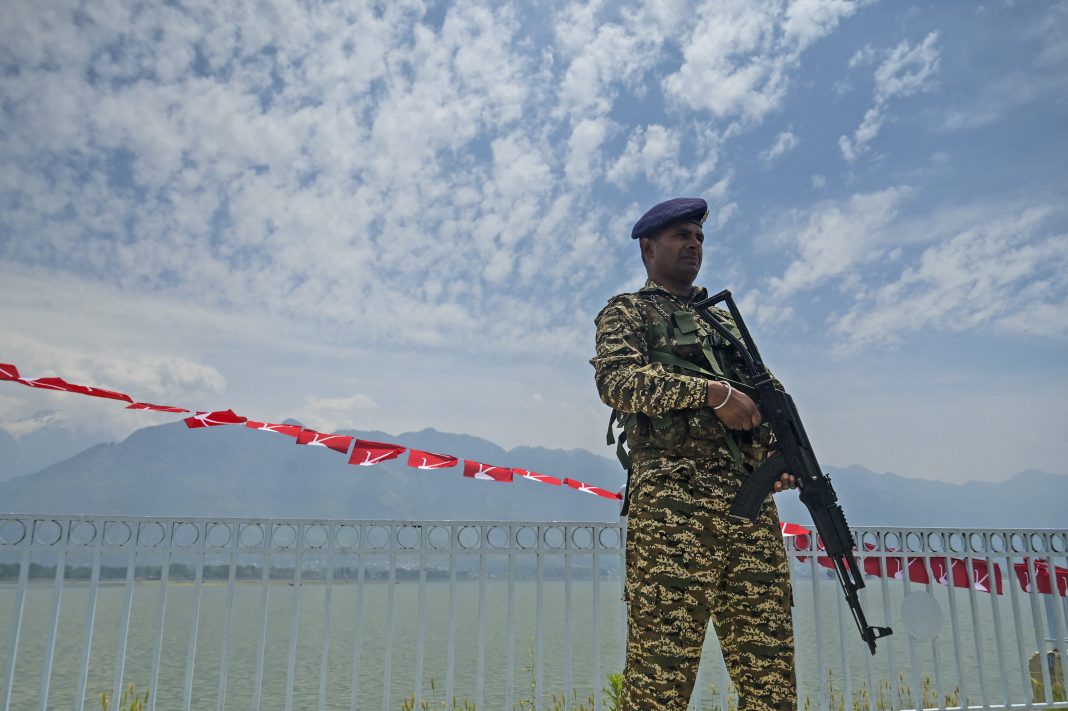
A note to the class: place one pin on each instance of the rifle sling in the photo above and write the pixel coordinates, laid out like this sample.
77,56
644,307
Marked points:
672,359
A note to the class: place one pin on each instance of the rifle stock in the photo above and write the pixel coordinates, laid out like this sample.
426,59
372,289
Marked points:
794,455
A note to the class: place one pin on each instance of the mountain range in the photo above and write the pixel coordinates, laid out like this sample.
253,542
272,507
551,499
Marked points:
42,440
233,471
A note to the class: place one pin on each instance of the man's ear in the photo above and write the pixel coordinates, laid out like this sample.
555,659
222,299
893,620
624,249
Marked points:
646,245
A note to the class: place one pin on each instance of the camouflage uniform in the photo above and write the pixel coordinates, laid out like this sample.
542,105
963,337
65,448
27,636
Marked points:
685,558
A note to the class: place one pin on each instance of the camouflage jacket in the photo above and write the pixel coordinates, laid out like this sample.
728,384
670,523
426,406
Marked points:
661,403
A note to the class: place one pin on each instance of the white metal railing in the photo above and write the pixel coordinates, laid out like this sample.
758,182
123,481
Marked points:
250,614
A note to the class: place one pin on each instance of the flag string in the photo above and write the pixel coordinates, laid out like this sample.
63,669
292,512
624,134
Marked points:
946,571
361,452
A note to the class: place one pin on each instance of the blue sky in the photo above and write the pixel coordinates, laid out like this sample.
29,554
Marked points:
403,215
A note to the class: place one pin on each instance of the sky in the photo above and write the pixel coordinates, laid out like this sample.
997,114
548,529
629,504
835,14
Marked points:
399,215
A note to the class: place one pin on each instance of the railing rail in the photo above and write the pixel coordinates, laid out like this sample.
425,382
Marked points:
296,613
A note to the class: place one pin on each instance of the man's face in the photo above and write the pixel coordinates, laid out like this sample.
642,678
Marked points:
673,255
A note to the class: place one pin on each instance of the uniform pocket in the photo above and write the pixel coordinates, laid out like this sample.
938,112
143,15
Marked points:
666,432
703,424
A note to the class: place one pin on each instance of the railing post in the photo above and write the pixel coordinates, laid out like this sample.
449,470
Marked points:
16,621
194,618
90,620
53,628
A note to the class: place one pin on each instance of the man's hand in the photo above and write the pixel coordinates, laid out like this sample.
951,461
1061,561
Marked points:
739,412
786,481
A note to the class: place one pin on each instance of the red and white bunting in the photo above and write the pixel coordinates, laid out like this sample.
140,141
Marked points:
1040,581
214,419
980,576
10,372
883,567
430,460
64,386
367,453
155,408
595,490
478,470
960,573
534,476
955,572
336,442
288,430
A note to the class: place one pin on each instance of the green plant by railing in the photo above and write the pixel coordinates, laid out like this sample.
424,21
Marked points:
130,700
1038,690
882,697
862,697
613,693
557,702
732,698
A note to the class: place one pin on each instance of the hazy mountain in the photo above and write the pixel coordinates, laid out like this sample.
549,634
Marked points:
48,441
1030,499
170,470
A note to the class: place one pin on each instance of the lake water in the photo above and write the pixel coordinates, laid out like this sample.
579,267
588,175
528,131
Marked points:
1003,678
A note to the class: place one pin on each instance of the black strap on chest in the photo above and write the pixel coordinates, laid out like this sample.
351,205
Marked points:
621,453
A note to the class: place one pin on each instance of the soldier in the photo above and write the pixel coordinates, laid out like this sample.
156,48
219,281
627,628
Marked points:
693,437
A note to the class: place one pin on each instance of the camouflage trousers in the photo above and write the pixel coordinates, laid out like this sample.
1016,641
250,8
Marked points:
686,560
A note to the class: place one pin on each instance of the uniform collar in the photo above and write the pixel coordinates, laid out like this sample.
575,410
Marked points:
697,293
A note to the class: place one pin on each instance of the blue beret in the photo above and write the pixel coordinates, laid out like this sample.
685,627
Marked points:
693,210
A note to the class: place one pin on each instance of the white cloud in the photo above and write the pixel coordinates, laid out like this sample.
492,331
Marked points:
724,214
61,344
785,142
140,374
332,413
837,237
653,152
341,165
718,191
868,129
315,198
413,203
739,57
600,57
864,55
906,70
312,173
1007,275
20,426
810,20
584,146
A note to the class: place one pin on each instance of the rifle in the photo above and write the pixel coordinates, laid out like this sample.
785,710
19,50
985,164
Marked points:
793,455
